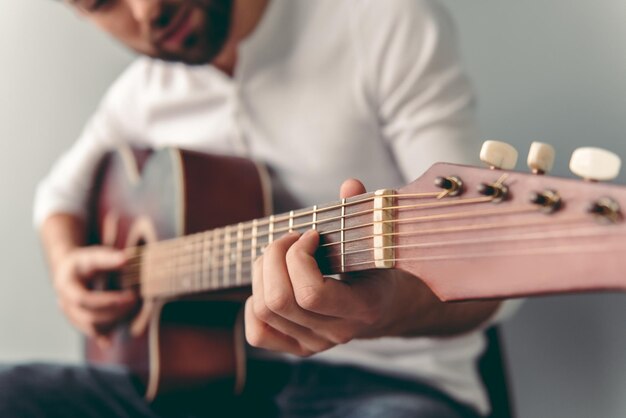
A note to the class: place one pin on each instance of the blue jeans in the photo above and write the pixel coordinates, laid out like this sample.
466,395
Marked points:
275,389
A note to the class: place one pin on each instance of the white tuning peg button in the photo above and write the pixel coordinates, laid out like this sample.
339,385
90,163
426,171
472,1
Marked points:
498,154
540,157
595,164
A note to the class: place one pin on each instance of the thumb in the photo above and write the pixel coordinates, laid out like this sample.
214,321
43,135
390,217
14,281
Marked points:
351,187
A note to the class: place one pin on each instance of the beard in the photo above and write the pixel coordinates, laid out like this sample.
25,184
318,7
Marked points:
208,37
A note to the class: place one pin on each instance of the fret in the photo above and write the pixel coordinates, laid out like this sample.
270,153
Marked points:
343,235
171,269
253,245
262,237
226,257
232,256
239,252
184,283
281,226
290,221
215,275
197,263
206,257
271,230
302,221
314,218
175,277
190,263
186,262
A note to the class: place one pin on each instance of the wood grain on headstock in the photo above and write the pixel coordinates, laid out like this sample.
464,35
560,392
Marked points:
466,247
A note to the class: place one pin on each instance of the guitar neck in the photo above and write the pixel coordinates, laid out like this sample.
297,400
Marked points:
352,238
466,232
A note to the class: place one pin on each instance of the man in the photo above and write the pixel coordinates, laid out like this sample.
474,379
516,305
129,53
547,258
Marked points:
320,91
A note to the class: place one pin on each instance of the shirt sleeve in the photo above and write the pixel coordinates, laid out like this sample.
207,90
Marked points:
416,81
67,186
422,95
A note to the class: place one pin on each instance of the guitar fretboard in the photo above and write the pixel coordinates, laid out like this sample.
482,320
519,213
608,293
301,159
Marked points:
223,258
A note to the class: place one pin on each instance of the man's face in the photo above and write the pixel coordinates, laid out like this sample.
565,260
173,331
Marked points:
191,31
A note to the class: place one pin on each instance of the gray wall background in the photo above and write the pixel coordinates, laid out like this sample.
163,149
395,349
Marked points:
550,70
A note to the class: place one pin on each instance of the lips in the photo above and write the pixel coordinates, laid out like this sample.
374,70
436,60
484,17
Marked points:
178,30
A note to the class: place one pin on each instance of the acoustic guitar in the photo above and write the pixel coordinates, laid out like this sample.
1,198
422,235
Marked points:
194,224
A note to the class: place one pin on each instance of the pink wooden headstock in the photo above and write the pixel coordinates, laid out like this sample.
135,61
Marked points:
471,247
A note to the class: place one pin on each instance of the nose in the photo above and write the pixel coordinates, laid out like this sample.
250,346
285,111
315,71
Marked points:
142,10
152,14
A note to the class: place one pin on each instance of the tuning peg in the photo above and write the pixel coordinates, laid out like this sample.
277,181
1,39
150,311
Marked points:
595,164
498,154
540,157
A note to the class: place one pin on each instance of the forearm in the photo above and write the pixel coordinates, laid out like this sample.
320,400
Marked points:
61,233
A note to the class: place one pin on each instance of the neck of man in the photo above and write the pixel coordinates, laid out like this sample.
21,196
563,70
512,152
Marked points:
246,16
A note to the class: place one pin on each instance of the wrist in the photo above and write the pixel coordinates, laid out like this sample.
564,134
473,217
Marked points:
414,305
421,313
403,307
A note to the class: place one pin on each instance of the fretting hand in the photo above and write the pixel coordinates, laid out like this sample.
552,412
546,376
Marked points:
295,309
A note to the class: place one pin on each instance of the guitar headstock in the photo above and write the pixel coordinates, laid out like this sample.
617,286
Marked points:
474,233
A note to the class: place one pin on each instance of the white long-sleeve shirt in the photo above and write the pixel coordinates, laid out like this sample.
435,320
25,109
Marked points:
323,91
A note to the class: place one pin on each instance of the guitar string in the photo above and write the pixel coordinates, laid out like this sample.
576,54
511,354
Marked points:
241,253
500,238
529,251
220,255
538,250
201,236
442,257
182,241
245,259
248,261
308,212
220,251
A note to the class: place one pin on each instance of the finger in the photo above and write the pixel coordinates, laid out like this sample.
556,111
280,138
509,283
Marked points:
260,334
98,259
106,317
76,293
304,336
278,291
316,293
351,187
95,323
107,300
273,286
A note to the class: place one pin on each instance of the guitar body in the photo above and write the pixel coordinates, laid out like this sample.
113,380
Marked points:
178,346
